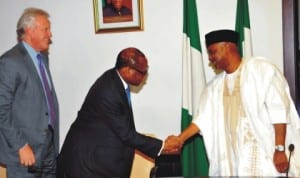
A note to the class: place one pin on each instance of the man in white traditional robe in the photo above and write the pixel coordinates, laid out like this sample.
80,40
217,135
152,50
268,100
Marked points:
246,115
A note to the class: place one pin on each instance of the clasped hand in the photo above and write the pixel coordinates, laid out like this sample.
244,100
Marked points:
172,145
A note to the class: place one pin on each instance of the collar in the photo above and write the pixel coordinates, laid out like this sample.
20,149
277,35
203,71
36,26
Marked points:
125,85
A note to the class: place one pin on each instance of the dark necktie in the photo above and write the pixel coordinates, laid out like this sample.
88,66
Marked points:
127,90
47,90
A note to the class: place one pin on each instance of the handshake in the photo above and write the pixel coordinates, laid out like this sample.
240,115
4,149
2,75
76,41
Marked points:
172,145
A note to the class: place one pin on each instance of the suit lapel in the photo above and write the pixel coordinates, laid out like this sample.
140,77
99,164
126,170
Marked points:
30,65
121,90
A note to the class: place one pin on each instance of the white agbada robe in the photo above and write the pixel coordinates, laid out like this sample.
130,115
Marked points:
266,100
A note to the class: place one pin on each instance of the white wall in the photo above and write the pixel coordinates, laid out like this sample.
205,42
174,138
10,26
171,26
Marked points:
78,55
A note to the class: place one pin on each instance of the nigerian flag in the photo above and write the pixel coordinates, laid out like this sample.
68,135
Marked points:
242,26
193,158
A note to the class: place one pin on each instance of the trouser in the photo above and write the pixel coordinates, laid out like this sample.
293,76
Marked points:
47,167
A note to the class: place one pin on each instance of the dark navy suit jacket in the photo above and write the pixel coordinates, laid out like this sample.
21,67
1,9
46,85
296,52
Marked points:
102,140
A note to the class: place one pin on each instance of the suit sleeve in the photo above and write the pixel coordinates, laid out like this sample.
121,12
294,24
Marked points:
8,86
120,119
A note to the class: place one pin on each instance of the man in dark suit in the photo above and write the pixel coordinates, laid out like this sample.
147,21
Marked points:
102,140
28,116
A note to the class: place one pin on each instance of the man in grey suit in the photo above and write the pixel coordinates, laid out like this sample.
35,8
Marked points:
28,104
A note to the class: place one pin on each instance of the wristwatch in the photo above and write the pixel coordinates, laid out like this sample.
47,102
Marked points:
279,147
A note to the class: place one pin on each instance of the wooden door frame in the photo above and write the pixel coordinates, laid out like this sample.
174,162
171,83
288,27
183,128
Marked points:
289,28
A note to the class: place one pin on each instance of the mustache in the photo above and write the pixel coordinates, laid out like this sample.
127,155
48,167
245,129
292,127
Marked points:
214,68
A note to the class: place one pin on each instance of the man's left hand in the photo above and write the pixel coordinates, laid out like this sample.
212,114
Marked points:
280,161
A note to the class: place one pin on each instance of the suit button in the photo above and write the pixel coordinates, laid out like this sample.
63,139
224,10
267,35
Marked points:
46,113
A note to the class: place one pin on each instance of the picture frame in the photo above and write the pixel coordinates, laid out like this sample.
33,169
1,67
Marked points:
112,17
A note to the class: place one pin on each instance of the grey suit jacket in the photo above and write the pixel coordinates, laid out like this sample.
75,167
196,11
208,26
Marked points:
23,106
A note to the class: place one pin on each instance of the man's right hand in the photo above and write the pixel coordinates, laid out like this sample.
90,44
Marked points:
26,156
172,145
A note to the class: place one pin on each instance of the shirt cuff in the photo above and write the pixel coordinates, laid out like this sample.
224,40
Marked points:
161,149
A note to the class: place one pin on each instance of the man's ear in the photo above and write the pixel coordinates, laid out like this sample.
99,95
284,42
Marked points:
124,71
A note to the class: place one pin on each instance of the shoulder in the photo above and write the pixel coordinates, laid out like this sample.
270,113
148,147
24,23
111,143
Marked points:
125,11
110,75
109,11
107,79
257,62
15,49
260,69
14,56
259,65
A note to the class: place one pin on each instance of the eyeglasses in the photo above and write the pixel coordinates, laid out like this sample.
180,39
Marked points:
140,71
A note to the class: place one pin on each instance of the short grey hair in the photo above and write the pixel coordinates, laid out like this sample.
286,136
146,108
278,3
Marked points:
27,19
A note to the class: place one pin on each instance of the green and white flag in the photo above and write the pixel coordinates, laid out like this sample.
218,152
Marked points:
194,159
242,26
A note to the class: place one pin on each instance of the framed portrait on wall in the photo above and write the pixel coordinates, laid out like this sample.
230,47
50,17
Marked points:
118,15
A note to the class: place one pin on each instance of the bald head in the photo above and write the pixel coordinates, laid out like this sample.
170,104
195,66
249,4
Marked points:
133,58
